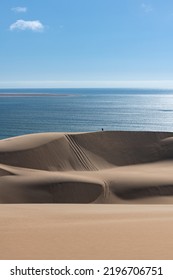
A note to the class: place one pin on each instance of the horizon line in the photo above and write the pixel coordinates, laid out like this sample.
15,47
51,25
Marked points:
131,84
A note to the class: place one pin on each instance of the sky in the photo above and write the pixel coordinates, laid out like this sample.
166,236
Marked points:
86,43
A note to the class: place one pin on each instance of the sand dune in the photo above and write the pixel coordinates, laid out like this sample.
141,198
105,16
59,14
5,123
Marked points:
98,167
117,190
103,167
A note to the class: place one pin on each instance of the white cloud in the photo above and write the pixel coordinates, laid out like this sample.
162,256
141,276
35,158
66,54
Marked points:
19,9
147,8
34,25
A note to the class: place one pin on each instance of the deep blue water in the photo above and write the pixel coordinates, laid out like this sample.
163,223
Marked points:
85,110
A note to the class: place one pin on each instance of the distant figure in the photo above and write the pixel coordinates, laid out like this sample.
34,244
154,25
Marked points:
102,129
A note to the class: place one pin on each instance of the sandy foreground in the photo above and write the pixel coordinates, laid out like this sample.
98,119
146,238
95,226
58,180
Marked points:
100,195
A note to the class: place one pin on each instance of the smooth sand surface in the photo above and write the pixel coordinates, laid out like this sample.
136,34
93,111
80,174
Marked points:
86,231
100,195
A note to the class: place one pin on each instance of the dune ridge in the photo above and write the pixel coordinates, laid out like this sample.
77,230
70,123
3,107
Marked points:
99,167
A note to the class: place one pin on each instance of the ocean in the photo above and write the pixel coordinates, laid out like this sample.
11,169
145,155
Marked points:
84,110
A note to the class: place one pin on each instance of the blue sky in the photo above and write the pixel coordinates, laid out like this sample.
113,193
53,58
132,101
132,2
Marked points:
86,43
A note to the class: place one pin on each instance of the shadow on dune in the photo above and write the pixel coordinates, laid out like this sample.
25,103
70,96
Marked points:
143,192
4,172
65,192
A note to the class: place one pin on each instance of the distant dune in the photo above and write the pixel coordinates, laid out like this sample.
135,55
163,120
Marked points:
99,167
100,195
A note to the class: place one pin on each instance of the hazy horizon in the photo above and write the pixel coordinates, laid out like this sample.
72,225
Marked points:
167,85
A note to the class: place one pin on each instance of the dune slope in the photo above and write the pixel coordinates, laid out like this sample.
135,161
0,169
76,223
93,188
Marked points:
99,167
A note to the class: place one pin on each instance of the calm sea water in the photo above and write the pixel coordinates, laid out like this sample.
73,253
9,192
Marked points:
85,110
